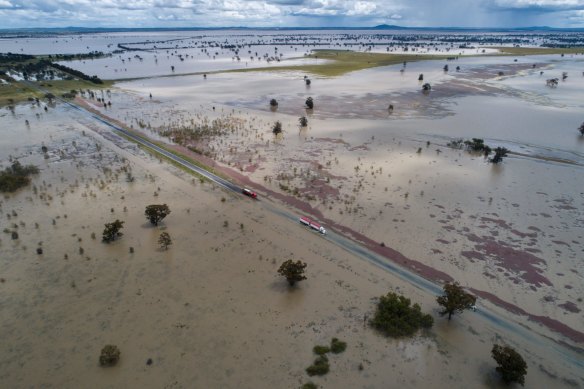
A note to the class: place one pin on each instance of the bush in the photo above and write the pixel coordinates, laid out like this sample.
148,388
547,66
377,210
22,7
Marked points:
512,366
338,346
319,367
321,350
277,129
395,317
309,385
16,176
273,103
110,355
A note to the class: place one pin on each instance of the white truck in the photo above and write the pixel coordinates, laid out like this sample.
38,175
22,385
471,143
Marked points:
314,225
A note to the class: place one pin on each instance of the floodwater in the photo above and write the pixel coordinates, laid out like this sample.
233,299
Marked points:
514,230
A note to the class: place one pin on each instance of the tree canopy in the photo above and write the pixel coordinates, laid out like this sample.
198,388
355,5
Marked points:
293,271
164,240
156,212
112,231
512,366
395,317
455,299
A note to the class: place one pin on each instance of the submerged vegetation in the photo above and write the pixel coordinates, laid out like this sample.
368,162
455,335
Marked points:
16,176
396,317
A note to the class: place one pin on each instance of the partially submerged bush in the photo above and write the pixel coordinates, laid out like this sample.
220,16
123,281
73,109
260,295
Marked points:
319,367
16,176
338,346
321,350
395,317
110,355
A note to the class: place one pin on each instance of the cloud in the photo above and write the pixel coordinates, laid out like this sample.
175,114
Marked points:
215,13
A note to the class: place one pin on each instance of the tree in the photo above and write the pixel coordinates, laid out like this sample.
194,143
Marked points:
421,77
164,240
273,103
395,317
277,129
309,103
293,271
155,213
304,121
426,87
112,231
455,299
512,366
581,129
500,152
110,355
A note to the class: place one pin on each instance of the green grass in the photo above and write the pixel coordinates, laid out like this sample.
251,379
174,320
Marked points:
17,92
340,62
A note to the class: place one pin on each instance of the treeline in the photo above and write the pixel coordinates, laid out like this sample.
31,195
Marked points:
11,57
71,57
77,73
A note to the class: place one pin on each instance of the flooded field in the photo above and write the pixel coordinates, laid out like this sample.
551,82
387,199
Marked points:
512,233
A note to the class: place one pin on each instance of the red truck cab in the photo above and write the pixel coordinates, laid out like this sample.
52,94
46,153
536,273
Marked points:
249,193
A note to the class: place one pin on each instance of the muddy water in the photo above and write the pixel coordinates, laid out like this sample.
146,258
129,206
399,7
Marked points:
210,311
515,229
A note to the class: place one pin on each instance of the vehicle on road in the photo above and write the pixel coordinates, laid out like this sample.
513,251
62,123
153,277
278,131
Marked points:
249,193
312,224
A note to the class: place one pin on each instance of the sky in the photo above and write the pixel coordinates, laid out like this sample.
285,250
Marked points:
290,13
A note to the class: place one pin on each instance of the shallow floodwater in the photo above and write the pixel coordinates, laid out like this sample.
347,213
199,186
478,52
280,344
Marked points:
515,229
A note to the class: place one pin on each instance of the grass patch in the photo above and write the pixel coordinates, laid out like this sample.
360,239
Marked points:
343,61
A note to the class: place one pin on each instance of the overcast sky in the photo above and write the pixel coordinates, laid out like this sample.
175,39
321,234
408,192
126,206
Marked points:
290,13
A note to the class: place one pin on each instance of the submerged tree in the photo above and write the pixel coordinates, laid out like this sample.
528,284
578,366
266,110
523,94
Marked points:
273,103
512,366
156,212
112,231
581,129
164,240
426,87
277,129
500,152
309,103
455,299
293,271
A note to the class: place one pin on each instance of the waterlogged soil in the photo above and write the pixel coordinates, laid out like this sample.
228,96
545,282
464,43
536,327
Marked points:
211,310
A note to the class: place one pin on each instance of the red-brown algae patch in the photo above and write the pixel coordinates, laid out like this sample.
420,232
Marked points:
548,322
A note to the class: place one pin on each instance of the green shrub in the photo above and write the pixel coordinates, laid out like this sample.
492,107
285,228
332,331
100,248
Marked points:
321,350
110,355
338,346
395,317
319,367
309,385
